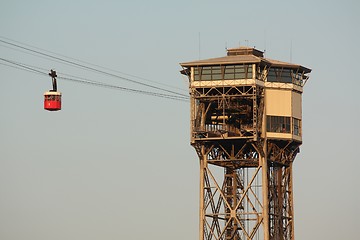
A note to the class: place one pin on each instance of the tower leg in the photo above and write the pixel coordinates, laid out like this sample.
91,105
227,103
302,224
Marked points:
265,188
203,163
231,193
231,202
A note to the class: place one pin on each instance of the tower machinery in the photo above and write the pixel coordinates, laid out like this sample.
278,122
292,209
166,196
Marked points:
246,120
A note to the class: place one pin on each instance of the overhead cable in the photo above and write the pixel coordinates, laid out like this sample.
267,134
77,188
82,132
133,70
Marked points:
33,69
78,60
90,68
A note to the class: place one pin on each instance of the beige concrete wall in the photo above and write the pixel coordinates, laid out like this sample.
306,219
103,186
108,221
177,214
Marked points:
283,103
285,136
296,101
279,135
278,102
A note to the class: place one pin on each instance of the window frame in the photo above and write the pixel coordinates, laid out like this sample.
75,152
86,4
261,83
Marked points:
278,124
223,72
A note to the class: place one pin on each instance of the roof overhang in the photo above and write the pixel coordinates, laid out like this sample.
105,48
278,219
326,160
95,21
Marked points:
245,55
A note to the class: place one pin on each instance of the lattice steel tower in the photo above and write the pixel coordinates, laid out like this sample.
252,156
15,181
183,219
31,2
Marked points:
246,129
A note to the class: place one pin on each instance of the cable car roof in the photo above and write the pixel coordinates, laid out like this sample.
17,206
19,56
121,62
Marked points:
52,93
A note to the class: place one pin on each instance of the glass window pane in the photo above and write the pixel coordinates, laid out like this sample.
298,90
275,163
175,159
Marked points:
228,76
296,127
239,75
240,70
216,68
206,77
271,77
278,124
206,71
249,72
286,79
216,71
229,70
216,76
197,70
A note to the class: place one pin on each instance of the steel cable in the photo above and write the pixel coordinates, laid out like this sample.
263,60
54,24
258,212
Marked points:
34,69
90,68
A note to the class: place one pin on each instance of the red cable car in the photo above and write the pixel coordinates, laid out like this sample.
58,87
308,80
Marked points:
52,98
52,101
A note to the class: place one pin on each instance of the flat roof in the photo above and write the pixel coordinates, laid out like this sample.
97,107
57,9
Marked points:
223,60
244,55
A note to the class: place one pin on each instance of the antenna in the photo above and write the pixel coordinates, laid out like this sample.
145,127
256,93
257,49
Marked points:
291,51
265,43
199,46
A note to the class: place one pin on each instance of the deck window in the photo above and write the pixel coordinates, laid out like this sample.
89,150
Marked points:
278,124
226,72
280,75
296,127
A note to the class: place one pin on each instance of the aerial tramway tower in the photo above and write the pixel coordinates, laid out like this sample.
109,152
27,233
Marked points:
246,129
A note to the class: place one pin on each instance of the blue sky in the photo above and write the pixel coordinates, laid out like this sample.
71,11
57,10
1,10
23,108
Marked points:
116,165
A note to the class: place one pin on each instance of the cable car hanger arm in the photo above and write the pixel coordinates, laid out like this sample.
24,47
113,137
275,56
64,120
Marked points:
53,75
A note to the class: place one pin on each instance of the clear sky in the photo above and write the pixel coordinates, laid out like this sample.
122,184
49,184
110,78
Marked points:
116,165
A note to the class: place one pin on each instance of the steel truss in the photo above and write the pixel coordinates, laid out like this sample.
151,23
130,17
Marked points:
233,184
229,111
245,179
231,202
281,155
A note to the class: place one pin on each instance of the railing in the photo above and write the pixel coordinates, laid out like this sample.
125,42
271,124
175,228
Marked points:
220,130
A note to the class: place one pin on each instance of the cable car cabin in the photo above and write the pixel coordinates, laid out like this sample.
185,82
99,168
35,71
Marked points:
52,101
